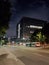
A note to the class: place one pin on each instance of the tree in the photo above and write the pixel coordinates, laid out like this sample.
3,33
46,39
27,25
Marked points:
4,15
38,36
33,37
45,31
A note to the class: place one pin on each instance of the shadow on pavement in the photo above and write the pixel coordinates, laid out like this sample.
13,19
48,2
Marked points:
3,56
26,60
6,61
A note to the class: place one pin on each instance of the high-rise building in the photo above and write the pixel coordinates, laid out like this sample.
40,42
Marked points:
27,26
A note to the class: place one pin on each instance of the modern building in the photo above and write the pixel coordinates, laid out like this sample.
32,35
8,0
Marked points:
27,26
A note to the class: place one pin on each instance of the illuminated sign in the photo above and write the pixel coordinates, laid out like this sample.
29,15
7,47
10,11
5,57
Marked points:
33,26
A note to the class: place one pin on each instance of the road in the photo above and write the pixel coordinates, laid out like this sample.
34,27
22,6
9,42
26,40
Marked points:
30,56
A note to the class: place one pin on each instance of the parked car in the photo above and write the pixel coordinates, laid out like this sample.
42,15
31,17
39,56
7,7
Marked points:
37,44
28,44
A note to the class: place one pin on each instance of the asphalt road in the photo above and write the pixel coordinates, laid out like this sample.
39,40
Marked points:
30,56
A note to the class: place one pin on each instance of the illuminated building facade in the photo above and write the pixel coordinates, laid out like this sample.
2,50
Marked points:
27,26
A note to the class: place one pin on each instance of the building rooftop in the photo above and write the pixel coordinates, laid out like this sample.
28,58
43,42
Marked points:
32,21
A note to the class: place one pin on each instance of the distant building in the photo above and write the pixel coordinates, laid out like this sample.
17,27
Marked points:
27,26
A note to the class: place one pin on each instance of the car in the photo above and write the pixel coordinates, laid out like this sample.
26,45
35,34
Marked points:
28,44
37,44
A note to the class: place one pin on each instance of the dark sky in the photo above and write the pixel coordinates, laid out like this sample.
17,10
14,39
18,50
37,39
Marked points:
38,9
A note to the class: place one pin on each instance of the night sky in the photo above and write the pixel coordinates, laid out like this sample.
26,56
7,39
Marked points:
38,9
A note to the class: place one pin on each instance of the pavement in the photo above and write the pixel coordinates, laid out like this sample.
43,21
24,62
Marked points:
21,55
31,55
7,58
40,49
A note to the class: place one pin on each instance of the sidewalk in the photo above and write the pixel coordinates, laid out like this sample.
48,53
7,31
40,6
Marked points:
7,58
40,49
